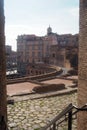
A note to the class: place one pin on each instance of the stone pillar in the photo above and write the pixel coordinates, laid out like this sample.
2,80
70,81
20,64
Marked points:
82,85
3,102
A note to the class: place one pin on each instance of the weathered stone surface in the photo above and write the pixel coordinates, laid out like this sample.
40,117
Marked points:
33,114
82,85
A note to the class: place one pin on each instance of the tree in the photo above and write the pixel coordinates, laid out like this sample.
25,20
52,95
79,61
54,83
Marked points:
3,102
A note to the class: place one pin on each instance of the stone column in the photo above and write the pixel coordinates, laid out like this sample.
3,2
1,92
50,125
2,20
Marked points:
82,85
3,102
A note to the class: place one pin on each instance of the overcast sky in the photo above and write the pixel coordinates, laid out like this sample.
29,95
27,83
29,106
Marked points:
34,16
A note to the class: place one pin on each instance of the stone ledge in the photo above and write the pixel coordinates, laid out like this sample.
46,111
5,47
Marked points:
32,96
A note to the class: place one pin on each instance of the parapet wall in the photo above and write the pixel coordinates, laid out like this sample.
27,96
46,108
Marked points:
57,70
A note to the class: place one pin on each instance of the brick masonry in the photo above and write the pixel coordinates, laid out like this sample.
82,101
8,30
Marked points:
82,89
3,104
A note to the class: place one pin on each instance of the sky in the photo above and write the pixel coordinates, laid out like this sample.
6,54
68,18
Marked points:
35,16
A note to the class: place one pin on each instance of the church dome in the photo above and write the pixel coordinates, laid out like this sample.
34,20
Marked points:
49,30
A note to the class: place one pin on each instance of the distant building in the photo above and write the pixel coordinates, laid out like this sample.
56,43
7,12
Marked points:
34,49
11,57
8,49
68,40
57,56
47,49
67,47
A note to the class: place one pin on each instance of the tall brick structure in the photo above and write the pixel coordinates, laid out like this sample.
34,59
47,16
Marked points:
82,87
3,108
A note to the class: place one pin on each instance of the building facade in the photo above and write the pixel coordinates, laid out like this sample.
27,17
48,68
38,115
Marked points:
66,48
57,56
68,40
49,49
11,58
34,49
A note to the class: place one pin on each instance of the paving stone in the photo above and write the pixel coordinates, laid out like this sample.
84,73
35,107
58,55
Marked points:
12,125
42,124
32,114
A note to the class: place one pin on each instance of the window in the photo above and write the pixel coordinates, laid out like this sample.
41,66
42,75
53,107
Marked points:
53,55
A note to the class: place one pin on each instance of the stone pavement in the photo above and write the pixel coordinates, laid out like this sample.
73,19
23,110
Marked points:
26,87
58,81
34,114
17,88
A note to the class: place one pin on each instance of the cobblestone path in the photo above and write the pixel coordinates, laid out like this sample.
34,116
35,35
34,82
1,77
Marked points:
34,114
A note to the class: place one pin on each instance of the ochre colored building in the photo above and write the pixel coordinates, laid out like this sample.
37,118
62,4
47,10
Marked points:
49,49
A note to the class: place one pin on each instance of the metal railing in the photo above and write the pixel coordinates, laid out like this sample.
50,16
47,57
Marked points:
66,115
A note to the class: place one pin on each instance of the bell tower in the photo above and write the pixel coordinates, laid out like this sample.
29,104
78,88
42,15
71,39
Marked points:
49,30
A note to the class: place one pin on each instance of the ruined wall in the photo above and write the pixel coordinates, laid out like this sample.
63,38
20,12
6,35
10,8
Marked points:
82,87
3,102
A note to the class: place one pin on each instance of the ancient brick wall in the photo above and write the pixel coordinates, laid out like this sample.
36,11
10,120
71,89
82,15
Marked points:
82,87
3,102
